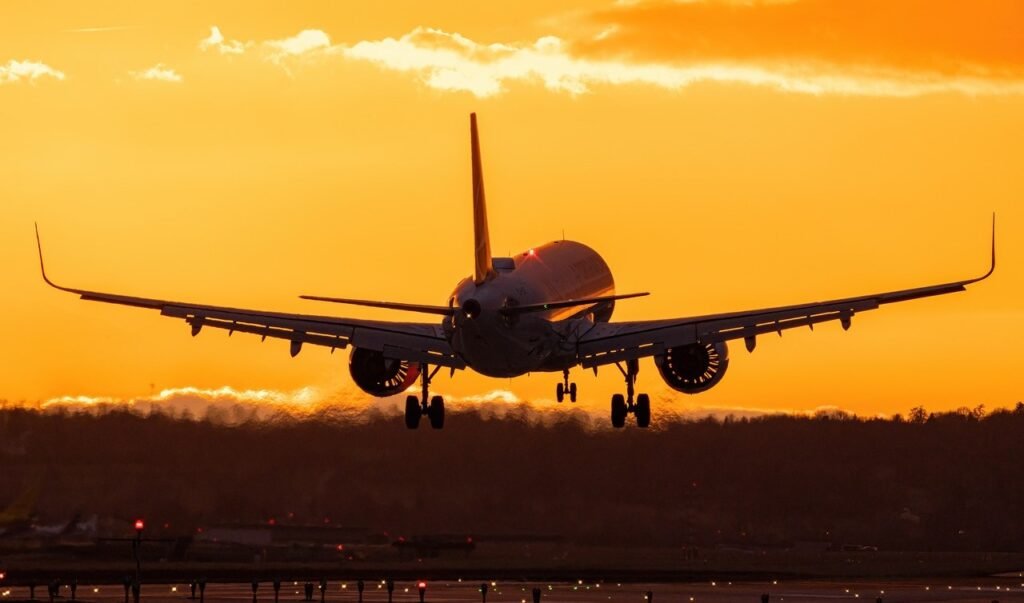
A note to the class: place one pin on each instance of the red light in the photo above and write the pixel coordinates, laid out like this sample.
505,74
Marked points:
422,585
341,547
272,521
469,539
139,525
3,575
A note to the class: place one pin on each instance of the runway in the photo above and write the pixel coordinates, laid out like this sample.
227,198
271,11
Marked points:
960,591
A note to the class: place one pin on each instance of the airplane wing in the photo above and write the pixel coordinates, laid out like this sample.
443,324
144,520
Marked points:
607,343
415,342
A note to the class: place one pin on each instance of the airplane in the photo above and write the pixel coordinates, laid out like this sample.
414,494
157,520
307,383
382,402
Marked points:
18,515
548,308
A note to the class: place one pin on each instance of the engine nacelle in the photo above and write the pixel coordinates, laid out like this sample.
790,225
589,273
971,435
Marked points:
380,376
693,368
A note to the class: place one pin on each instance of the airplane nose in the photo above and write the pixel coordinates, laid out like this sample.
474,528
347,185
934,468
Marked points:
471,308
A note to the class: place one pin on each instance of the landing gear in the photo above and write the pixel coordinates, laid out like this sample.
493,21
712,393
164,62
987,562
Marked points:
417,407
413,412
436,412
623,405
619,411
565,388
642,410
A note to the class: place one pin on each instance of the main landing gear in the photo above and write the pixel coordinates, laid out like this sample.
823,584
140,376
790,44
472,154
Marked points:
565,388
623,405
416,407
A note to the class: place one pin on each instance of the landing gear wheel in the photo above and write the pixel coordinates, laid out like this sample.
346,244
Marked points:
436,412
643,411
619,410
560,392
572,392
412,412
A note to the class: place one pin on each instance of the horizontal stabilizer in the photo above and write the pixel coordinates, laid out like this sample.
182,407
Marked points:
445,310
567,303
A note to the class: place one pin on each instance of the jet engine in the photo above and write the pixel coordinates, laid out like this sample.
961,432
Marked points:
381,376
693,368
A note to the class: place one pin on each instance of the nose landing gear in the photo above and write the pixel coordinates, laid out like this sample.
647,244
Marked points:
565,388
623,405
416,407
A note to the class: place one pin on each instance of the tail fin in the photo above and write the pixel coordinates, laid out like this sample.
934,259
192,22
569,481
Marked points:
484,270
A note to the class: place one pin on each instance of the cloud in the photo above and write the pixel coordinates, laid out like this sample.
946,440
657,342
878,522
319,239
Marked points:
915,38
870,48
303,42
224,404
159,73
227,405
449,61
100,29
17,71
217,42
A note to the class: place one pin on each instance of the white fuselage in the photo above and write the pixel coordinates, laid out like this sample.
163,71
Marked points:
498,345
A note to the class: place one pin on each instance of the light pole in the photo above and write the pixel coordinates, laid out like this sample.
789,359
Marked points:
136,544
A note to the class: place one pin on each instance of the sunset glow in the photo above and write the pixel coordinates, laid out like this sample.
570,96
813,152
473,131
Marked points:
723,155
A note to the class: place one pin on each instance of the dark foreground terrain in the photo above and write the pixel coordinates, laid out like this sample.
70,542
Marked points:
831,495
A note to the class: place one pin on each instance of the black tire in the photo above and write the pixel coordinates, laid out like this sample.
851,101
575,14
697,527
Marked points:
619,411
412,412
643,411
560,392
572,392
436,412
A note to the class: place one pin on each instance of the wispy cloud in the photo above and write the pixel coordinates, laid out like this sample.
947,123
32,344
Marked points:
914,39
216,41
159,73
302,43
233,406
99,29
449,61
30,71
616,56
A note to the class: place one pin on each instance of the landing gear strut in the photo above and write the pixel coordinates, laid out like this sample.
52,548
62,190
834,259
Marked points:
416,407
623,405
565,388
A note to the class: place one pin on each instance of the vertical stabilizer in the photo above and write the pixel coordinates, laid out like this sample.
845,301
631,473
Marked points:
483,270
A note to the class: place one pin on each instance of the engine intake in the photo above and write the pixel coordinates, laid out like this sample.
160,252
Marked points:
693,368
380,376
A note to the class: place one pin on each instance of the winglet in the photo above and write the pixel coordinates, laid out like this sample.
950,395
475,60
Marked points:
483,269
992,266
42,266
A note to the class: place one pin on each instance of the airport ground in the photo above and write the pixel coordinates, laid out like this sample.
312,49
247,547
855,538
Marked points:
726,576
986,590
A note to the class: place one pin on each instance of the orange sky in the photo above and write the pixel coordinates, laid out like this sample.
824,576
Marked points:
722,155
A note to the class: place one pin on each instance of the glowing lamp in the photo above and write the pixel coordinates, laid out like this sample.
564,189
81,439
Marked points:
139,525
421,585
